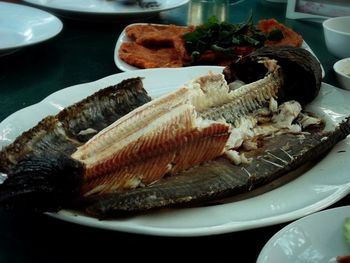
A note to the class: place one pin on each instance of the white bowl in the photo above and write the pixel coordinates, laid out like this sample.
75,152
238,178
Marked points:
337,35
342,70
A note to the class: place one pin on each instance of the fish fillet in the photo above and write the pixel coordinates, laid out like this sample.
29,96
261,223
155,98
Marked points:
160,138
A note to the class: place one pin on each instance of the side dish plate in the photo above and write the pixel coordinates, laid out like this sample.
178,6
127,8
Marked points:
123,66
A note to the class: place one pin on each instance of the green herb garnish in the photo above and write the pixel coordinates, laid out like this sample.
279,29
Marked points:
223,37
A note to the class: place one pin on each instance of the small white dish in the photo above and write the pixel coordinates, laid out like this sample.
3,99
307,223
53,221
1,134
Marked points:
317,238
123,66
337,35
342,70
21,26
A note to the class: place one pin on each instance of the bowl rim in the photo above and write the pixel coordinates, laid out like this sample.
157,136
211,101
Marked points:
336,69
326,22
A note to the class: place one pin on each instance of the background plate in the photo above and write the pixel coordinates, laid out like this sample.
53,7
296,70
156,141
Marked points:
107,7
319,187
317,238
22,26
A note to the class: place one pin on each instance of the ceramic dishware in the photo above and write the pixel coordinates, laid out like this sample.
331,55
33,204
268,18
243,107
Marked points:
337,35
317,238
342,70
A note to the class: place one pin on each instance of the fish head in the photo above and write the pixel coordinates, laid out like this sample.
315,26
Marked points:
300,70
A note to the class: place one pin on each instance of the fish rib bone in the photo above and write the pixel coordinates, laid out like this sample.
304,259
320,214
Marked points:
247,99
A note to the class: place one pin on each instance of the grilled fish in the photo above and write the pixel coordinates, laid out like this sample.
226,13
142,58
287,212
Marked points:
164,138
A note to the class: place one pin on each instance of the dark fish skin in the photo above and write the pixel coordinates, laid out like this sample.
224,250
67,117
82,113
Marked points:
103,108
61,132
46,182
38,165
220,178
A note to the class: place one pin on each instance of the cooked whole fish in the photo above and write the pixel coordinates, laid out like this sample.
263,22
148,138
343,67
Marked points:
181,133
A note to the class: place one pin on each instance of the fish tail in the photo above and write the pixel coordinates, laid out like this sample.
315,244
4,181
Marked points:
46,182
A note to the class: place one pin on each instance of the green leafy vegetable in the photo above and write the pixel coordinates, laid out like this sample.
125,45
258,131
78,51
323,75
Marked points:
347,230
223,37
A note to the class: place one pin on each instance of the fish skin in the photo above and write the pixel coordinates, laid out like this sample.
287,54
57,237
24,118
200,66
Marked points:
220,178
61,132
103,108
42,182
40,172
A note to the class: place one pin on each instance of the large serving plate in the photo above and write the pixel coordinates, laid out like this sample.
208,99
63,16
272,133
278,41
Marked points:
322,185
122,38
317,238
22,26
108,7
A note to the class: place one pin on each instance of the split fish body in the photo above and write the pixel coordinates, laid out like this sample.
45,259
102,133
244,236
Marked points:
119,151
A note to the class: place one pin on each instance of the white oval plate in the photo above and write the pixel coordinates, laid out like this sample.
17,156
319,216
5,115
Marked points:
123,66
21,26
107,7
319,187
317,238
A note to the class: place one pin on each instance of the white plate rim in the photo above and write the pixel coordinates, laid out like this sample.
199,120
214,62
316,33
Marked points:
54,27
56,5
333,212
195,221
123,66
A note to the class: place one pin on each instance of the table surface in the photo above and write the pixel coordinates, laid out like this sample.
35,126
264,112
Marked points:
83,52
